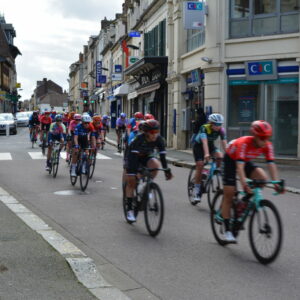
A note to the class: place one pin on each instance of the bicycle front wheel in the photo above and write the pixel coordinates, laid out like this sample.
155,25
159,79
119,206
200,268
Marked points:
154,209
191,184
55,164
73,178
92,167
265,232
213,185
84,176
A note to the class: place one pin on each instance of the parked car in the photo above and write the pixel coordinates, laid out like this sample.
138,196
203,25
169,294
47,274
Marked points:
8,118
22,119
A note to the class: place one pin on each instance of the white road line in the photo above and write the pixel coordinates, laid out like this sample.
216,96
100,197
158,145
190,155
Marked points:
5,156
101,156
37,155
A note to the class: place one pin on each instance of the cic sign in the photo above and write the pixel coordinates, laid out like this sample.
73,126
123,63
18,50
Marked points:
193,15
261,70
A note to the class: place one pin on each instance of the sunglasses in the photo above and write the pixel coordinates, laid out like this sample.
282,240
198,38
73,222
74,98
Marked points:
86,123
153,131
217,124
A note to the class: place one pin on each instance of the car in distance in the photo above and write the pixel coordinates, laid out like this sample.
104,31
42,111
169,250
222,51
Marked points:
8,119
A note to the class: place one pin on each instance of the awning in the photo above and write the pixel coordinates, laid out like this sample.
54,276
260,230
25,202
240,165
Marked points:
132,95
148,89
121,90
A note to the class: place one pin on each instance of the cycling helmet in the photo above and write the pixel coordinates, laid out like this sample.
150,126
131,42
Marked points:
77,117
261,128
97,118
58,118
216,118
86,119
53,112
123,115
66,114
35,112
149,117
150,125
47,112
105,117
138,115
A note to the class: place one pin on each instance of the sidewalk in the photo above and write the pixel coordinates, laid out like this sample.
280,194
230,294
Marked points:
184,158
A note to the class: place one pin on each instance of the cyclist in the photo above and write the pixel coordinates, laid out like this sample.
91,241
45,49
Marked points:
138,116
53,114
56,133
34,122
76,119
141,153
121,126
98,134
204,148
237,160
45,125
82,136
149,117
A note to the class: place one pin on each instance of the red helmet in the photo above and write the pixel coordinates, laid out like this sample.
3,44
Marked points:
139,115
261,128
150,125
149,117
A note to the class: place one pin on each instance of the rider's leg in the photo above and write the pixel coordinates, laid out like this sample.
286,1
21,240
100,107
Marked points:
219,157
153,163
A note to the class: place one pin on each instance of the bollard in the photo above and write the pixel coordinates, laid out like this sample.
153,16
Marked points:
7,129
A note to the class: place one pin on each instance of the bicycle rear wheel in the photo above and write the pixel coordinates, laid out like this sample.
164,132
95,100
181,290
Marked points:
84,177
213,185
191,184
55,162
265,232
93,165
154,209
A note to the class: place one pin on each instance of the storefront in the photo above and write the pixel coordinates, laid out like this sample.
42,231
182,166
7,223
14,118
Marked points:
267,90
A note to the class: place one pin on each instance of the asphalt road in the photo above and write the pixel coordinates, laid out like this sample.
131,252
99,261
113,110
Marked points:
183,262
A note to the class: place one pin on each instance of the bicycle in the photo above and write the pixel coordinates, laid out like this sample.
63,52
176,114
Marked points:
210,184
33,136
93,159
44,143
54,162
261,213
82,170
148,198
121,146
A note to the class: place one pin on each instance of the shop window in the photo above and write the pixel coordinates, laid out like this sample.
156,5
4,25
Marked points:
263,17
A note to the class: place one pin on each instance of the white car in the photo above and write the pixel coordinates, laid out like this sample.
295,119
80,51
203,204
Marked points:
22,119
8,119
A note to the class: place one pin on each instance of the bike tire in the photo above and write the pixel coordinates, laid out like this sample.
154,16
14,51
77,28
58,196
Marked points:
84,177
44,147
218,228
190,185
213,185
92,167
55,164
267,230
154,207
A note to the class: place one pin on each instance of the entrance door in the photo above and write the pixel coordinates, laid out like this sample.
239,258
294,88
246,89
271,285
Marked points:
282,111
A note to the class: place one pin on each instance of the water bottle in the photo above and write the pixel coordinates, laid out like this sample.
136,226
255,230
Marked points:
141,188
241,204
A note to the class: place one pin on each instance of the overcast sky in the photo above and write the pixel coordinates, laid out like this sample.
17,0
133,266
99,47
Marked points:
50,35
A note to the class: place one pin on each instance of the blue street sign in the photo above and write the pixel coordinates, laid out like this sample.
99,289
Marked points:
118,68
134,34
98,73
102,79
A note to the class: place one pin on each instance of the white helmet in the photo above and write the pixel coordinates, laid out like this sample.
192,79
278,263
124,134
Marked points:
216,118
86,119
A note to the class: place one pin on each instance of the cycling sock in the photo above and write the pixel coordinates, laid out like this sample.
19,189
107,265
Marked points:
227,224
129,203
197,188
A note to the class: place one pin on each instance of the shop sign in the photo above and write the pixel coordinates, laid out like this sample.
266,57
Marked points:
261,70
116,77
98,73
133,59
134,34
194,78
118,68
193,15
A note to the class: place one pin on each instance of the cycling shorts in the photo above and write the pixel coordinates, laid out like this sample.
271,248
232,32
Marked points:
121,128
132,165
83,142
45,127
199,152
229,170
54,137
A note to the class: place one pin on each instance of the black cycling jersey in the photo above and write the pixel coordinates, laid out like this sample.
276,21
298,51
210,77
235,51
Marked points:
140,149
34,121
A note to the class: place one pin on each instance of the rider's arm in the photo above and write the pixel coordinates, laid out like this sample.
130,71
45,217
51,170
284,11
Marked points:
224,144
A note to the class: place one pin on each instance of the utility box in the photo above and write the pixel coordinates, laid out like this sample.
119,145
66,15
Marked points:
186,119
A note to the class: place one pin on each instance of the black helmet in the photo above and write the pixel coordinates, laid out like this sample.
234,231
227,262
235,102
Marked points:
150,125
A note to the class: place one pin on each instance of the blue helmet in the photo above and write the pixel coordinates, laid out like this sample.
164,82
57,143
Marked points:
105,117
58,118
123,115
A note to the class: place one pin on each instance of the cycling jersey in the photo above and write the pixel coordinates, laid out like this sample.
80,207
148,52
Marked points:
140,151
57,129
131,124
46,120
121,122
206,132
72,126
81,130
34,121
243,149
96,131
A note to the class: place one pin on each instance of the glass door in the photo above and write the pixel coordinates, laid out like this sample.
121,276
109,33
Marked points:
282,112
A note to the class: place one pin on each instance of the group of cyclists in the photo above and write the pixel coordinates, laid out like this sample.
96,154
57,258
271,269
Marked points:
144,143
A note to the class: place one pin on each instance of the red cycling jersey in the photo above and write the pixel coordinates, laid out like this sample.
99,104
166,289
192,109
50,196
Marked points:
243,149
46,120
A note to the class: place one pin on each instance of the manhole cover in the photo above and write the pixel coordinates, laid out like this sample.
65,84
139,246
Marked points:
70,193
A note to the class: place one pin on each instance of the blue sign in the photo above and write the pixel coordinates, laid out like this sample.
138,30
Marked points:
195,6
134,34
261,70
98,73
102,79
84,93
118,68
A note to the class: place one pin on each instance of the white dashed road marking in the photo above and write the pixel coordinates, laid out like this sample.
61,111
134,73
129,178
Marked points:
5,156
37,155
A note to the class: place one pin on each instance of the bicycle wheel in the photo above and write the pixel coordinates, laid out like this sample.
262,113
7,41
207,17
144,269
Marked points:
213,185
125,204
265,232
216,222
55,162
154,209
93,165
190,185
44,147
84,177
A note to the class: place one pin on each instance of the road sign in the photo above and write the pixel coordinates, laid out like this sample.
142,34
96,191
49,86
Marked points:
134,34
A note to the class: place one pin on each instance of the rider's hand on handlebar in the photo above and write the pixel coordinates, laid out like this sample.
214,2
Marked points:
206,158
279,189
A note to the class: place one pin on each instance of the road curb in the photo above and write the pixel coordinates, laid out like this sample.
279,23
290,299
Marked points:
189,165
82,266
